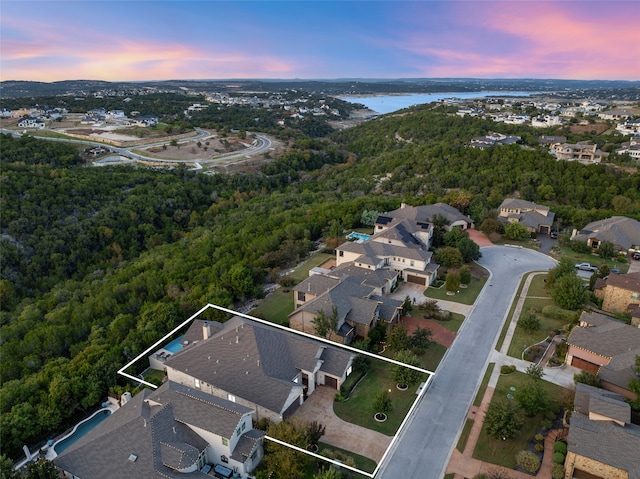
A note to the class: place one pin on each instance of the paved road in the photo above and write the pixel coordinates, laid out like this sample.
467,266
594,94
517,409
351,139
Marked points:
424,447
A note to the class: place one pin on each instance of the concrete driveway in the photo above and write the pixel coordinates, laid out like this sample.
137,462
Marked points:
423,448
339,433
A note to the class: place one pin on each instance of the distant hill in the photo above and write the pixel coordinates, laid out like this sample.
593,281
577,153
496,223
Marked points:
361,86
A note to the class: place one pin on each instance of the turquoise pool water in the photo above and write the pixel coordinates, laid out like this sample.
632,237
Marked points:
80,430
358,236
175,345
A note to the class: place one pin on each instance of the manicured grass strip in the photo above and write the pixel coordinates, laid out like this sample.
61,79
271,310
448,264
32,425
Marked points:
276,307
154,376
465,295
432,357
451,475
505,326
363,463
302,271
466,430
496,451
483,385
358,409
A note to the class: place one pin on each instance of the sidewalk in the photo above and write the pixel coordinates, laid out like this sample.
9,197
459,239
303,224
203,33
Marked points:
462,464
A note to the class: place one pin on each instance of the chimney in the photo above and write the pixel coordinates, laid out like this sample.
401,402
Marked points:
206,330
237,339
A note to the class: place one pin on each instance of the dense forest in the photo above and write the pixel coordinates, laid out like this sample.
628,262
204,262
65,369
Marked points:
97,263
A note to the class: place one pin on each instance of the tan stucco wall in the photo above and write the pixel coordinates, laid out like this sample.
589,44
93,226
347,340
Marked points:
573,461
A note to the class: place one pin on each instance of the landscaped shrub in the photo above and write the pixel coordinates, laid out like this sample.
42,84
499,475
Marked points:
539,437
539,447
560,446
528,461
546,424
557,471
558,458
507,369
555,312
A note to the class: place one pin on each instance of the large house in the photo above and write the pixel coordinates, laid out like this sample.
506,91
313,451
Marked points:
536,218
583,151
356,305
620,293
623,232
606,347
258,366
602,441
173,432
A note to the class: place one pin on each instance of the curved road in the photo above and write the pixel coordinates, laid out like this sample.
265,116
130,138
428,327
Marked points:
259,145
423,448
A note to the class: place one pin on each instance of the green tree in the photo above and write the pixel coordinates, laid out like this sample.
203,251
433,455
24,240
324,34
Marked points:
401,374
407,306
283,461
382,403
421,340
533,397
369,217
325,324
569,292
606,250
528,461
6,468
361,362
529,321
452,283
398,338
465,275
585,377
449,257
328,474
503,419
565,267
516,231
490,226
41,469
634,386
535,372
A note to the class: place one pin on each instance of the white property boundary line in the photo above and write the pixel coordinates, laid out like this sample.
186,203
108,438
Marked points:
430,374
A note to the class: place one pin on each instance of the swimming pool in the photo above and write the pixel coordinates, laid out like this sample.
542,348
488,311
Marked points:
80,430
175,345
358,236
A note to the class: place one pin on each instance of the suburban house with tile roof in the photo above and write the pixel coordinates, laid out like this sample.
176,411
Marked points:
537,218
583,152
620,293
623,232
357,307
173,432
602,442
607,347
255,365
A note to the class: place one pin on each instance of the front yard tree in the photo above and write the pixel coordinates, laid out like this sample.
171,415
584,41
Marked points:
398,338
569,292
565,267
535,372
465,275
503,419
421,340
382,403
533,397
516,231
449,257
606,250
324,325
452,282
529,321
403,375
283,461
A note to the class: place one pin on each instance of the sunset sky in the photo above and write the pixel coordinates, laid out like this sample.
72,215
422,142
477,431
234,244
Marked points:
53,40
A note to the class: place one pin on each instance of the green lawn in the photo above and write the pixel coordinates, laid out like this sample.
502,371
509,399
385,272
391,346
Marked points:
358,409
466,430
495,451
465,295
522,339
277,306
623,266
363,463
483,385
154,376
432,357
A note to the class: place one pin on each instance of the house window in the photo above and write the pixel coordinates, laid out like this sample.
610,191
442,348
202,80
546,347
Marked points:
225,441
231,397
340,253
197,383
411,263
301,296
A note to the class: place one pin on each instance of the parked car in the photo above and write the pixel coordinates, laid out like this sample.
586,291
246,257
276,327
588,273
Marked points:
586,267
554,235
636,255
614,271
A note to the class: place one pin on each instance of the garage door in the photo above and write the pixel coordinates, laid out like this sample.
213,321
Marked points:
331,382
416,279
585,365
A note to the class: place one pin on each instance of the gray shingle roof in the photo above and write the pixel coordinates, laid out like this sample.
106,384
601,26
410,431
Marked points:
630,281
377,249
619,230
594,319
376,278
246,444
316,284
602,440
153,426
388,306
250,360
607,340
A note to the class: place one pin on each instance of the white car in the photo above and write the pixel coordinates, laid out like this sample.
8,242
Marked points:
586,267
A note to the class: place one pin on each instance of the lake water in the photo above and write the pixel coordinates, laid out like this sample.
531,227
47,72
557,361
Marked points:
387,104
